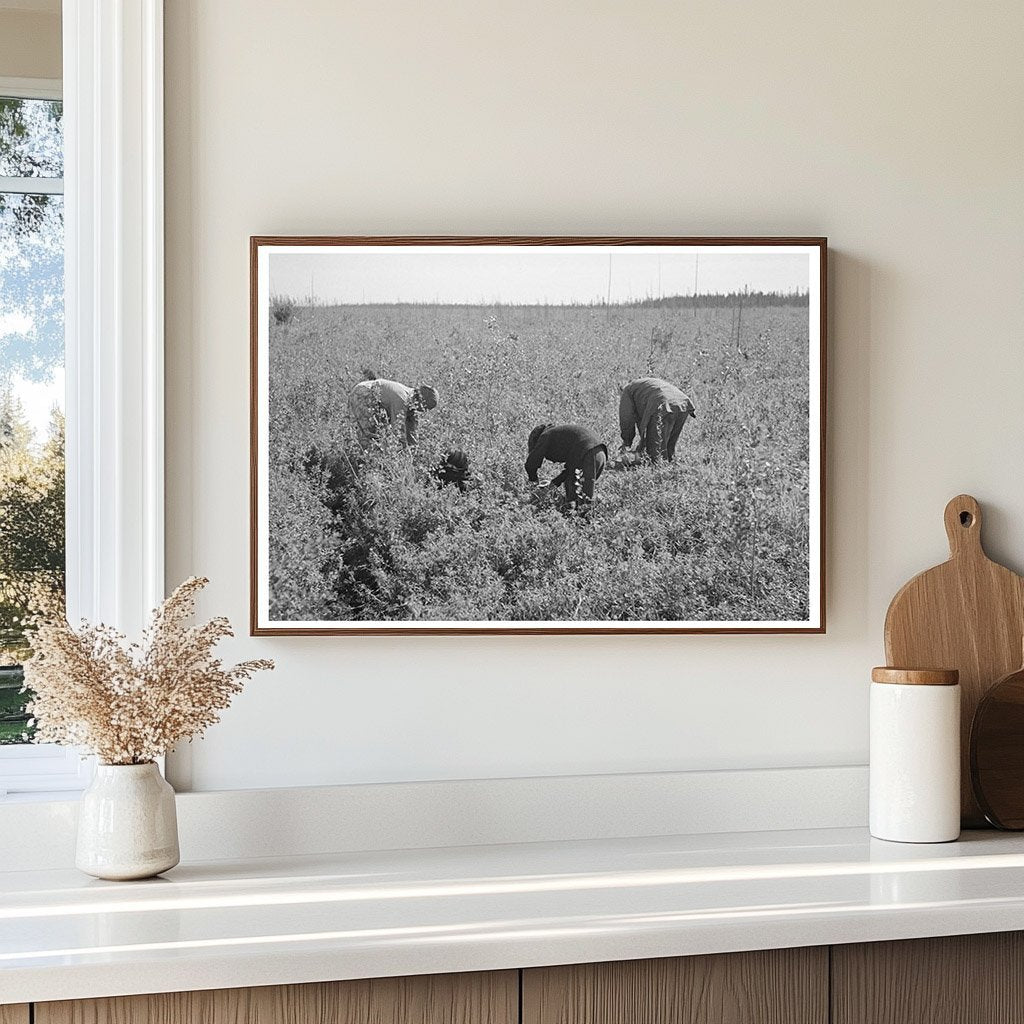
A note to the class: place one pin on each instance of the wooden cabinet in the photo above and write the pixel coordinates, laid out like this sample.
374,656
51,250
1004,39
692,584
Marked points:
491,998
963,979
778,986
968,979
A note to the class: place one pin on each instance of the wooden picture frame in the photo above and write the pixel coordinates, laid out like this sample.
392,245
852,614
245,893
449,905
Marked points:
332,305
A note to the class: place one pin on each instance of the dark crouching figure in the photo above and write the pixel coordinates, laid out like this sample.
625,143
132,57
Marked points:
657,411
580,449
453,469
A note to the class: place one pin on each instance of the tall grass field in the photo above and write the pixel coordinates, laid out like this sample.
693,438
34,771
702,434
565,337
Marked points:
719,534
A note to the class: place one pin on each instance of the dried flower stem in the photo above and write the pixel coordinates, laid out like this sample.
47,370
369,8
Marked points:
129,703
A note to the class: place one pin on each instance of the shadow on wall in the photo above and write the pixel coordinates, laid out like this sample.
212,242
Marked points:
852,287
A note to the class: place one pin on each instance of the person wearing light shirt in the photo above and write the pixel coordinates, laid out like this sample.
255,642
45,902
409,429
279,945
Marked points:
377,404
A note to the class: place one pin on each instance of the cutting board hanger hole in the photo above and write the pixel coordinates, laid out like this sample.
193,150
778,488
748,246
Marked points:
966,518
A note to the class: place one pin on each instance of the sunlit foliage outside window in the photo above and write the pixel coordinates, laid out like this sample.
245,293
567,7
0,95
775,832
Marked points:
31,385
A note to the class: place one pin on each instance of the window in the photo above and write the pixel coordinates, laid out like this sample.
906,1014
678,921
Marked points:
32,530
112,212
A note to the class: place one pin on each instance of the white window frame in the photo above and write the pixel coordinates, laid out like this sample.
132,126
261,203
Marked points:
31,89
114,324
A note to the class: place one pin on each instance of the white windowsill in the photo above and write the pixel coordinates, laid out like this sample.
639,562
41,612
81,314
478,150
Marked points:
47,797
42,771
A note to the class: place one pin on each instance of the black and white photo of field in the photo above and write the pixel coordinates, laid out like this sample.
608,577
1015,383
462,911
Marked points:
538,435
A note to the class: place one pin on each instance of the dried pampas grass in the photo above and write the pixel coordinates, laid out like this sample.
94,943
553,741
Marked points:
129,703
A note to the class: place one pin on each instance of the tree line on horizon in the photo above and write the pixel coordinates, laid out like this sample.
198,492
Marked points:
283,307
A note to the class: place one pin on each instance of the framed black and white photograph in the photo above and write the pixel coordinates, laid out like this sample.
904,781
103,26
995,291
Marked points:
541,435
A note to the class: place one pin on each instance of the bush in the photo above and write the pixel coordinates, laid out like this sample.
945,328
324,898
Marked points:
282,309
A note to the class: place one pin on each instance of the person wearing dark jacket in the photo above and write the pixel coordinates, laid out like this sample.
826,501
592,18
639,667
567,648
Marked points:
453,469
657,411
578,448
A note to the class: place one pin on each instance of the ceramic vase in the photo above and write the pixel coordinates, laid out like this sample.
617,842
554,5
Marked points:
127,825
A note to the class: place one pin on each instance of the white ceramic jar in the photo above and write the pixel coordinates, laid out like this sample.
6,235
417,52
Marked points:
127,823
915,755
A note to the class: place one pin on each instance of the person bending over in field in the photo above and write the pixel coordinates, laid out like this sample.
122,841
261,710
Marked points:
656,410
454,469
579,448
376,405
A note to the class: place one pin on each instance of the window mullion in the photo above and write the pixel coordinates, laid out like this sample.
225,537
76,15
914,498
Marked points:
32,186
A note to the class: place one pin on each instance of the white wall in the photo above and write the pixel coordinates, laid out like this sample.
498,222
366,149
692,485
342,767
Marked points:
30,42
895,129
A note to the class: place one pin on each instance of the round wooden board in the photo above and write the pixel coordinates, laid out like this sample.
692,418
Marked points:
997,752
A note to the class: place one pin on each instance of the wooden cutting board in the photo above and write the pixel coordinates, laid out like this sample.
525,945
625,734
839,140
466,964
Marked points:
997,752
967,614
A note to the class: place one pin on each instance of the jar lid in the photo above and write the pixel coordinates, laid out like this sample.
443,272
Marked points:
916,676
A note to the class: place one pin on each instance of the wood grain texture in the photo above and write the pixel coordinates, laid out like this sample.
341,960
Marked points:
962,979
915,676
967,614
483,998
997,752
14,1014
778,986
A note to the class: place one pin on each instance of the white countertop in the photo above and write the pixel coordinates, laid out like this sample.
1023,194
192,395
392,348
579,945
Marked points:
351,915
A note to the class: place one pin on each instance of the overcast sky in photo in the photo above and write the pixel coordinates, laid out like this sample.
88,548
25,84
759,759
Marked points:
489,275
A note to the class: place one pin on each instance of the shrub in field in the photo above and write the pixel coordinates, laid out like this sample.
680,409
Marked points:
282,309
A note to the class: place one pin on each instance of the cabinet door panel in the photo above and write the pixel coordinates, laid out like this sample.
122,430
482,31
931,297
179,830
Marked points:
961,979
779,986
490,998
14,1014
